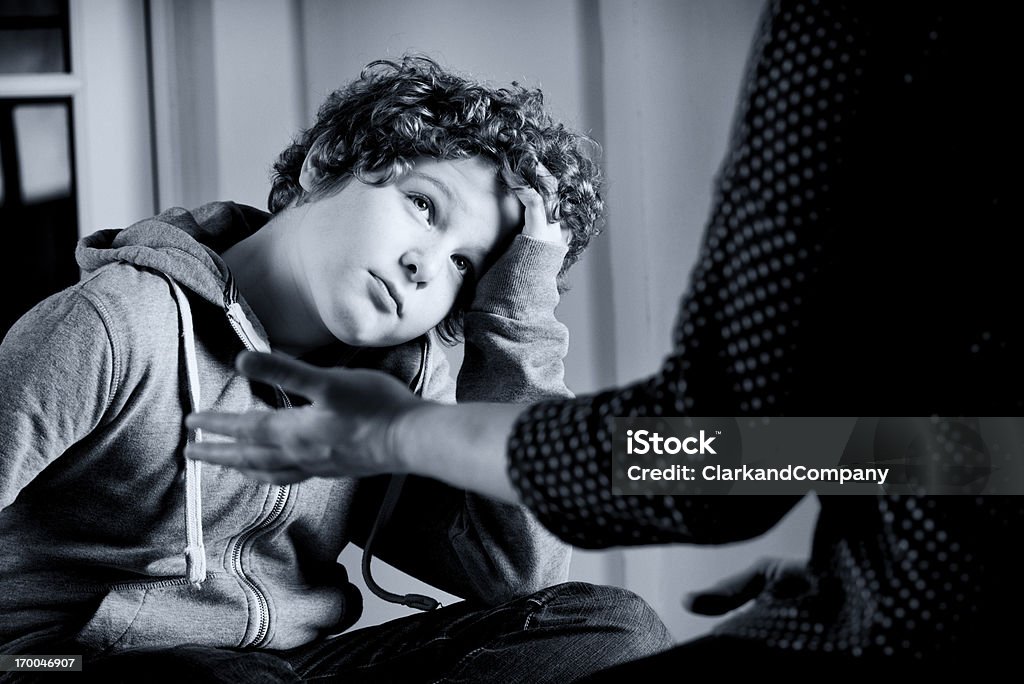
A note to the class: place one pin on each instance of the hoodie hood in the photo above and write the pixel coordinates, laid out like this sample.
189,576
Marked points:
182,244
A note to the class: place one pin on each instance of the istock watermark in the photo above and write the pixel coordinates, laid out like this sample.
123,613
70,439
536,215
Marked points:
794,455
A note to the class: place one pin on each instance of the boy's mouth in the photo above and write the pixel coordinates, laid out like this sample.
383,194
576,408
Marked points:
386,289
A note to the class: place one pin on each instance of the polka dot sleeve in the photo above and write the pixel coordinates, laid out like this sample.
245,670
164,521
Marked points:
739,322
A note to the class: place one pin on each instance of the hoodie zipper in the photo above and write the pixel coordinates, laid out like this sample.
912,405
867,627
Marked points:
236,564
246,334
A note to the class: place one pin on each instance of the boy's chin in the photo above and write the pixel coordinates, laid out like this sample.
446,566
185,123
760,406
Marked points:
380,341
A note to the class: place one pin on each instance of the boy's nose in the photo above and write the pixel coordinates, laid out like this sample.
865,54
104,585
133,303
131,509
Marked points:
421,267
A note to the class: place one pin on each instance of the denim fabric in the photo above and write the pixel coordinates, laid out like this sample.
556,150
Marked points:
555,635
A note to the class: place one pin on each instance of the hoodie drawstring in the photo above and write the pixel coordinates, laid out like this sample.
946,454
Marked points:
387,507
195,551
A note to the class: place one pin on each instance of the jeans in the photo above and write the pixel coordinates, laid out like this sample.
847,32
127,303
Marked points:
558,634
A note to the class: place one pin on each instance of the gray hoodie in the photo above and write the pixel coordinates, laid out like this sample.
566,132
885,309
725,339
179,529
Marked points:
108,536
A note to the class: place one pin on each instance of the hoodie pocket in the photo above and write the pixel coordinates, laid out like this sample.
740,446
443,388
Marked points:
113,619
167,612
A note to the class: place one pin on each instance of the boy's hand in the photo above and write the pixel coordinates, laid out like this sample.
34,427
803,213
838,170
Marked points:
537,225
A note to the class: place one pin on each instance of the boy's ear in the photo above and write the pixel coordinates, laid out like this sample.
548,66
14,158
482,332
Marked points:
309,174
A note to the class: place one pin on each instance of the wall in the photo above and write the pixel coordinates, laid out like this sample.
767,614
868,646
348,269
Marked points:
112,127
227,95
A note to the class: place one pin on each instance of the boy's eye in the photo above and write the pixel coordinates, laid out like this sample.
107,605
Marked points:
462,263
423,204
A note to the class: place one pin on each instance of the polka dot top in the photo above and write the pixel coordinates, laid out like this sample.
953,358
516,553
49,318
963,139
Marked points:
859,260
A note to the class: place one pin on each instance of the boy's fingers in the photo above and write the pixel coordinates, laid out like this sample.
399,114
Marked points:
548,183
536,222
290,374
536,212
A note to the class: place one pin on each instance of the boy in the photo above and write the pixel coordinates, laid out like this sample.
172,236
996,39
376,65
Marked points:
384,215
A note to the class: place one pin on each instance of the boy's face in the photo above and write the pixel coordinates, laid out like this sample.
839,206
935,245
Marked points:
384,264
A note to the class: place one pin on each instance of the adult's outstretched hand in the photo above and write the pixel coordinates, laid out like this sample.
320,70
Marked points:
347,431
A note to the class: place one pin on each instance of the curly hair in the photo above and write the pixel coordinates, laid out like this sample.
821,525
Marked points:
374,128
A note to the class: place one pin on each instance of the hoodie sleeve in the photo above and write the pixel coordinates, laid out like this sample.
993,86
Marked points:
514,343
469,545
56,377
